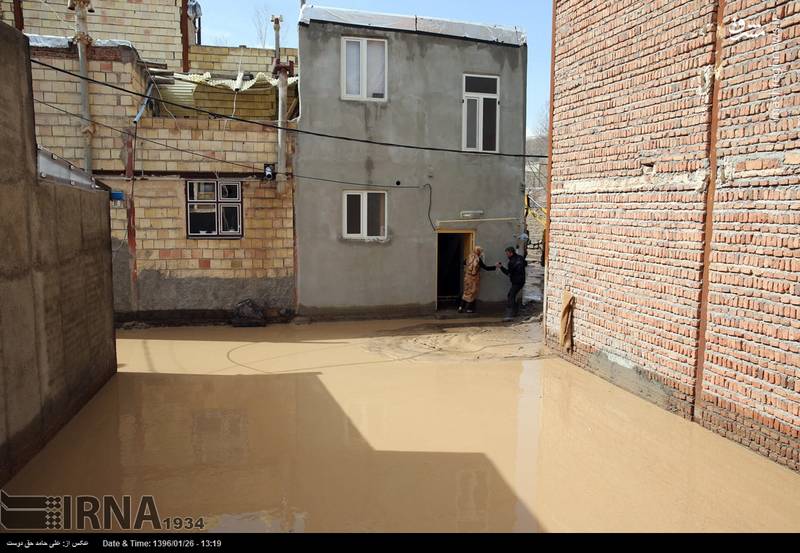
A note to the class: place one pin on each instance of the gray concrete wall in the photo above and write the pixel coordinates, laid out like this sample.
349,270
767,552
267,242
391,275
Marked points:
424,107
56,311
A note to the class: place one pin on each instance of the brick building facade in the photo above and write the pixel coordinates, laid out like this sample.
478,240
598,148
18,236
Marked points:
675,207
163,270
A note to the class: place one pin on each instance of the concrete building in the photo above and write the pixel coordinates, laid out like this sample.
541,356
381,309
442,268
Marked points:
198,228
675,207
383,229
56,312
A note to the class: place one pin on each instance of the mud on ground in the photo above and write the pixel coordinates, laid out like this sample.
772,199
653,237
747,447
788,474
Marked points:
460,341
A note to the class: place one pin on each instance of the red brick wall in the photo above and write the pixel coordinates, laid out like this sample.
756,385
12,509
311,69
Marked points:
751,375
631,123
632,152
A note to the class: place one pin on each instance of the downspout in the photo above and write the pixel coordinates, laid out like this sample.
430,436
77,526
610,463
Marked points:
283,87
83,39
708,217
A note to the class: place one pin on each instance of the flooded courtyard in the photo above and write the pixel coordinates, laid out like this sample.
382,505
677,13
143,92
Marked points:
406,425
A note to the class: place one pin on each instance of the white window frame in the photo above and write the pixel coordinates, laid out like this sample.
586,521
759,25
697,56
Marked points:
362,95
479,96
364,203
218,202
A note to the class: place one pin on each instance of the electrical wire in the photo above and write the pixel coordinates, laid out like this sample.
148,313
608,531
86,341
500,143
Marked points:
280,127
135,137
128,133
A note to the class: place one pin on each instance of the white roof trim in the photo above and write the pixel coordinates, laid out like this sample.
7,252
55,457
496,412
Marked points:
474,31
46,41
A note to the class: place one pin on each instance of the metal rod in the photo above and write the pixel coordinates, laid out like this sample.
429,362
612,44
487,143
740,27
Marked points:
83,39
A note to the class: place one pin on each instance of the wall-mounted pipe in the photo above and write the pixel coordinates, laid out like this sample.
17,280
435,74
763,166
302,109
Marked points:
283,88
83,39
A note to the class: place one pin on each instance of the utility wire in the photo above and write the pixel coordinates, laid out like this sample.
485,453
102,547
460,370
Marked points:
128,133
135,136
279,127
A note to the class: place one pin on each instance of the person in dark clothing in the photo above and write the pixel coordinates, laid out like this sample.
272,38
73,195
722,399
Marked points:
516,273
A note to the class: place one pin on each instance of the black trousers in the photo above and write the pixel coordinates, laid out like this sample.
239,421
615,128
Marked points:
512,307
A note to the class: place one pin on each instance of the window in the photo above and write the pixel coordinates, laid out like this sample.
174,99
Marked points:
364,215
364,63
214,208
480,121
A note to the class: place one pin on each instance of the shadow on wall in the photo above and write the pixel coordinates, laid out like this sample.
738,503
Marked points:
265,453
56,312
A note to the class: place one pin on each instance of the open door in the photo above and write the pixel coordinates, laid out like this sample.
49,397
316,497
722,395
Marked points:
453,247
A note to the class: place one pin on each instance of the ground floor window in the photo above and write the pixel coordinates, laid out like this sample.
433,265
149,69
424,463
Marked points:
214,208
364,215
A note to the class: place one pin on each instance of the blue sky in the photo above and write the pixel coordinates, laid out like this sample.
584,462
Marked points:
231,22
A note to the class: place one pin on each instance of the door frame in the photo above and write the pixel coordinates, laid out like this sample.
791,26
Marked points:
469,245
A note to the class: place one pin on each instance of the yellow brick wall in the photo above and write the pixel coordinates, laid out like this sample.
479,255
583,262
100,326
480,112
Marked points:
248,145
228,59
266,251
153,26
61,133
7,12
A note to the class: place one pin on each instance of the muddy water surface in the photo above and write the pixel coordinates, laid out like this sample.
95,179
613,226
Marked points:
398,426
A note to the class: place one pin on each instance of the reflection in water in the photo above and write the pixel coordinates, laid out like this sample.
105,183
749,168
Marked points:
264,453
395,445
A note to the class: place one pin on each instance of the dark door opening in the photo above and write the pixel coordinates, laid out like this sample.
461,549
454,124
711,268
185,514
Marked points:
452,248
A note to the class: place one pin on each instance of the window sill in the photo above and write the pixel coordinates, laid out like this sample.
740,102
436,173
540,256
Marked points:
359,99
365,241
213,237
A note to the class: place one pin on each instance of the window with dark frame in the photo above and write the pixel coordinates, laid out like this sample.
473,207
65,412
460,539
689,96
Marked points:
364,216
480,118
214,209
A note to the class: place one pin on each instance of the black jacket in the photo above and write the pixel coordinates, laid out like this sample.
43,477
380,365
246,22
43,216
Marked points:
516,269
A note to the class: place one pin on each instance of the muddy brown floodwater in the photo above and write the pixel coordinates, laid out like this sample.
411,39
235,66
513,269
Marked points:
398,426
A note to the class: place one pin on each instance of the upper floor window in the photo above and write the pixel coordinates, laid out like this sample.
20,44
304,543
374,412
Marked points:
214,208
480,122
364,62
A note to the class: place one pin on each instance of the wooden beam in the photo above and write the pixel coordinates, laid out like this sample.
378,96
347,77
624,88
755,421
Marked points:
185,34
19,20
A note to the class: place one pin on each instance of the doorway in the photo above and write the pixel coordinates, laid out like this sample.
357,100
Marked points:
452,249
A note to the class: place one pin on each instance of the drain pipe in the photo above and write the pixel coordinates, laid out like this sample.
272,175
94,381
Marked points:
83,39
280,68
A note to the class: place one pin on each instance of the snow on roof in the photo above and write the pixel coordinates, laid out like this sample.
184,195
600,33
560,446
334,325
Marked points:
46,41
474,31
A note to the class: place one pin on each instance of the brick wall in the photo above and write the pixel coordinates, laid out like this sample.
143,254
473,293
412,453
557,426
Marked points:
230,59
260,264
161,271
153,26
751,375
629,142
61,133
632,123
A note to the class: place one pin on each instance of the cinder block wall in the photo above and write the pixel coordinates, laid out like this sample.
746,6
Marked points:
632,152
177,277
56,312
60,132
231,59
153,26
